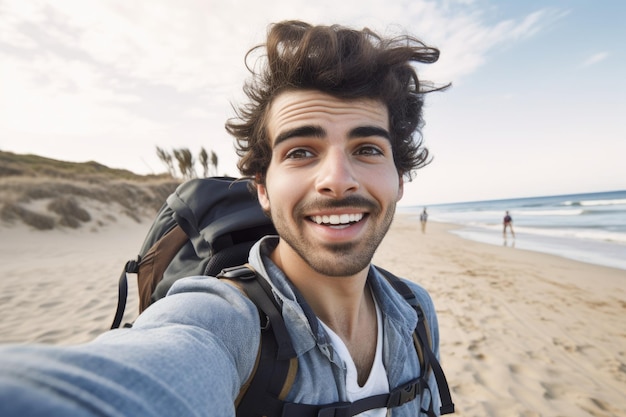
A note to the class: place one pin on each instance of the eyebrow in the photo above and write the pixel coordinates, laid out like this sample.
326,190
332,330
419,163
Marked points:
312,131
367,131
301,131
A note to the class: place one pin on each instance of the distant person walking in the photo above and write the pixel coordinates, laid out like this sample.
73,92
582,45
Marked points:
424,219
508,223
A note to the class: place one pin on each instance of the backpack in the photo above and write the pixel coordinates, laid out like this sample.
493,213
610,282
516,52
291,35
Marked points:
207,227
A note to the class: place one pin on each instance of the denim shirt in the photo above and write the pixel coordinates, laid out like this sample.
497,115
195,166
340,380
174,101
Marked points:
189,353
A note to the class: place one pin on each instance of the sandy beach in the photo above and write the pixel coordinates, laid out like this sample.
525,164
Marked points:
523,334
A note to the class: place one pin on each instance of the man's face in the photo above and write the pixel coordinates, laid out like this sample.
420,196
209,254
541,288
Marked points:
331,187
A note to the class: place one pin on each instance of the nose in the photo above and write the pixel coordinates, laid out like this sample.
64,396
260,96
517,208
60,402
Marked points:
335,176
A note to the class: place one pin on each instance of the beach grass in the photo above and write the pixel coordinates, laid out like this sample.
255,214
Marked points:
44,193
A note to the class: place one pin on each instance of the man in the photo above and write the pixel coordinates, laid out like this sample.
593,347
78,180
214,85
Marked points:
424,219
507,223
328,137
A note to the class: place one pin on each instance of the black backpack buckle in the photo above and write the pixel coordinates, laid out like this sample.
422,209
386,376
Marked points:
405,394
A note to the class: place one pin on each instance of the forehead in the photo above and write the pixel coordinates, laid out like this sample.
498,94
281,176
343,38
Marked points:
310,107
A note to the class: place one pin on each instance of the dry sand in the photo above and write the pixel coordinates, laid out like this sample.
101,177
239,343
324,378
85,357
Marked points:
60,286
523,334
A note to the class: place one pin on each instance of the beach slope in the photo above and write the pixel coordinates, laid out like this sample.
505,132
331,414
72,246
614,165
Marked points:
522,333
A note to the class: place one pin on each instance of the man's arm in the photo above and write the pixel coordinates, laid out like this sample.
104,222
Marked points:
188,354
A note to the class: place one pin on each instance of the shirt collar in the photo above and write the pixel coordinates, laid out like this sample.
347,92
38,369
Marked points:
301,322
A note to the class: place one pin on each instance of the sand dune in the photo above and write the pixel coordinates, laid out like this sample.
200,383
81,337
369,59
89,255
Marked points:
523,334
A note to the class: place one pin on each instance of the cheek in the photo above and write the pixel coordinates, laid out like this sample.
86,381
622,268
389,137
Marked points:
282,193
387,185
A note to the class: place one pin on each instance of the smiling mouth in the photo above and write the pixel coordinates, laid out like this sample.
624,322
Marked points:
341,220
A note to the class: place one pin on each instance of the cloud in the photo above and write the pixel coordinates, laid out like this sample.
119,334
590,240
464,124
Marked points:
195,47
466,39
595,58
156,69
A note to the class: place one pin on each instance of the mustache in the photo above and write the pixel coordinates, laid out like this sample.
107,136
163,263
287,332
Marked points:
320,204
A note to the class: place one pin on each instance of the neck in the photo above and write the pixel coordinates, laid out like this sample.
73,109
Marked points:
343,303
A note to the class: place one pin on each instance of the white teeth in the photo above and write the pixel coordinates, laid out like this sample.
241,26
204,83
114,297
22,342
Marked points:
335,219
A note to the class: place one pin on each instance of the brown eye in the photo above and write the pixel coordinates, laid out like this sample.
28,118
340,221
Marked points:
298,153
369,150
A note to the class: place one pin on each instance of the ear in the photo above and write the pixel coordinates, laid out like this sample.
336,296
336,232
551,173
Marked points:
400,188
264,200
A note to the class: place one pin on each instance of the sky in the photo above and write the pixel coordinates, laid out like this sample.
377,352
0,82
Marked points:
537,104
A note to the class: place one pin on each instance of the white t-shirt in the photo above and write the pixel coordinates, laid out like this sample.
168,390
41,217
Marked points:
376,382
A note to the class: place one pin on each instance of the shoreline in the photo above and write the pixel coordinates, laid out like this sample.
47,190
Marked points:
441,245
587,227
606,254
611,255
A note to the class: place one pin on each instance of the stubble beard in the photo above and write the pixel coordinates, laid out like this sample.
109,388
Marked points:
337,260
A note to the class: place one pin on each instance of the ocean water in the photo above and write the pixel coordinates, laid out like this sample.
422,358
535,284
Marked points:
586,227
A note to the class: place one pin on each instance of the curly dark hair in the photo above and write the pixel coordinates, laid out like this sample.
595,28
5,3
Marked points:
344,63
